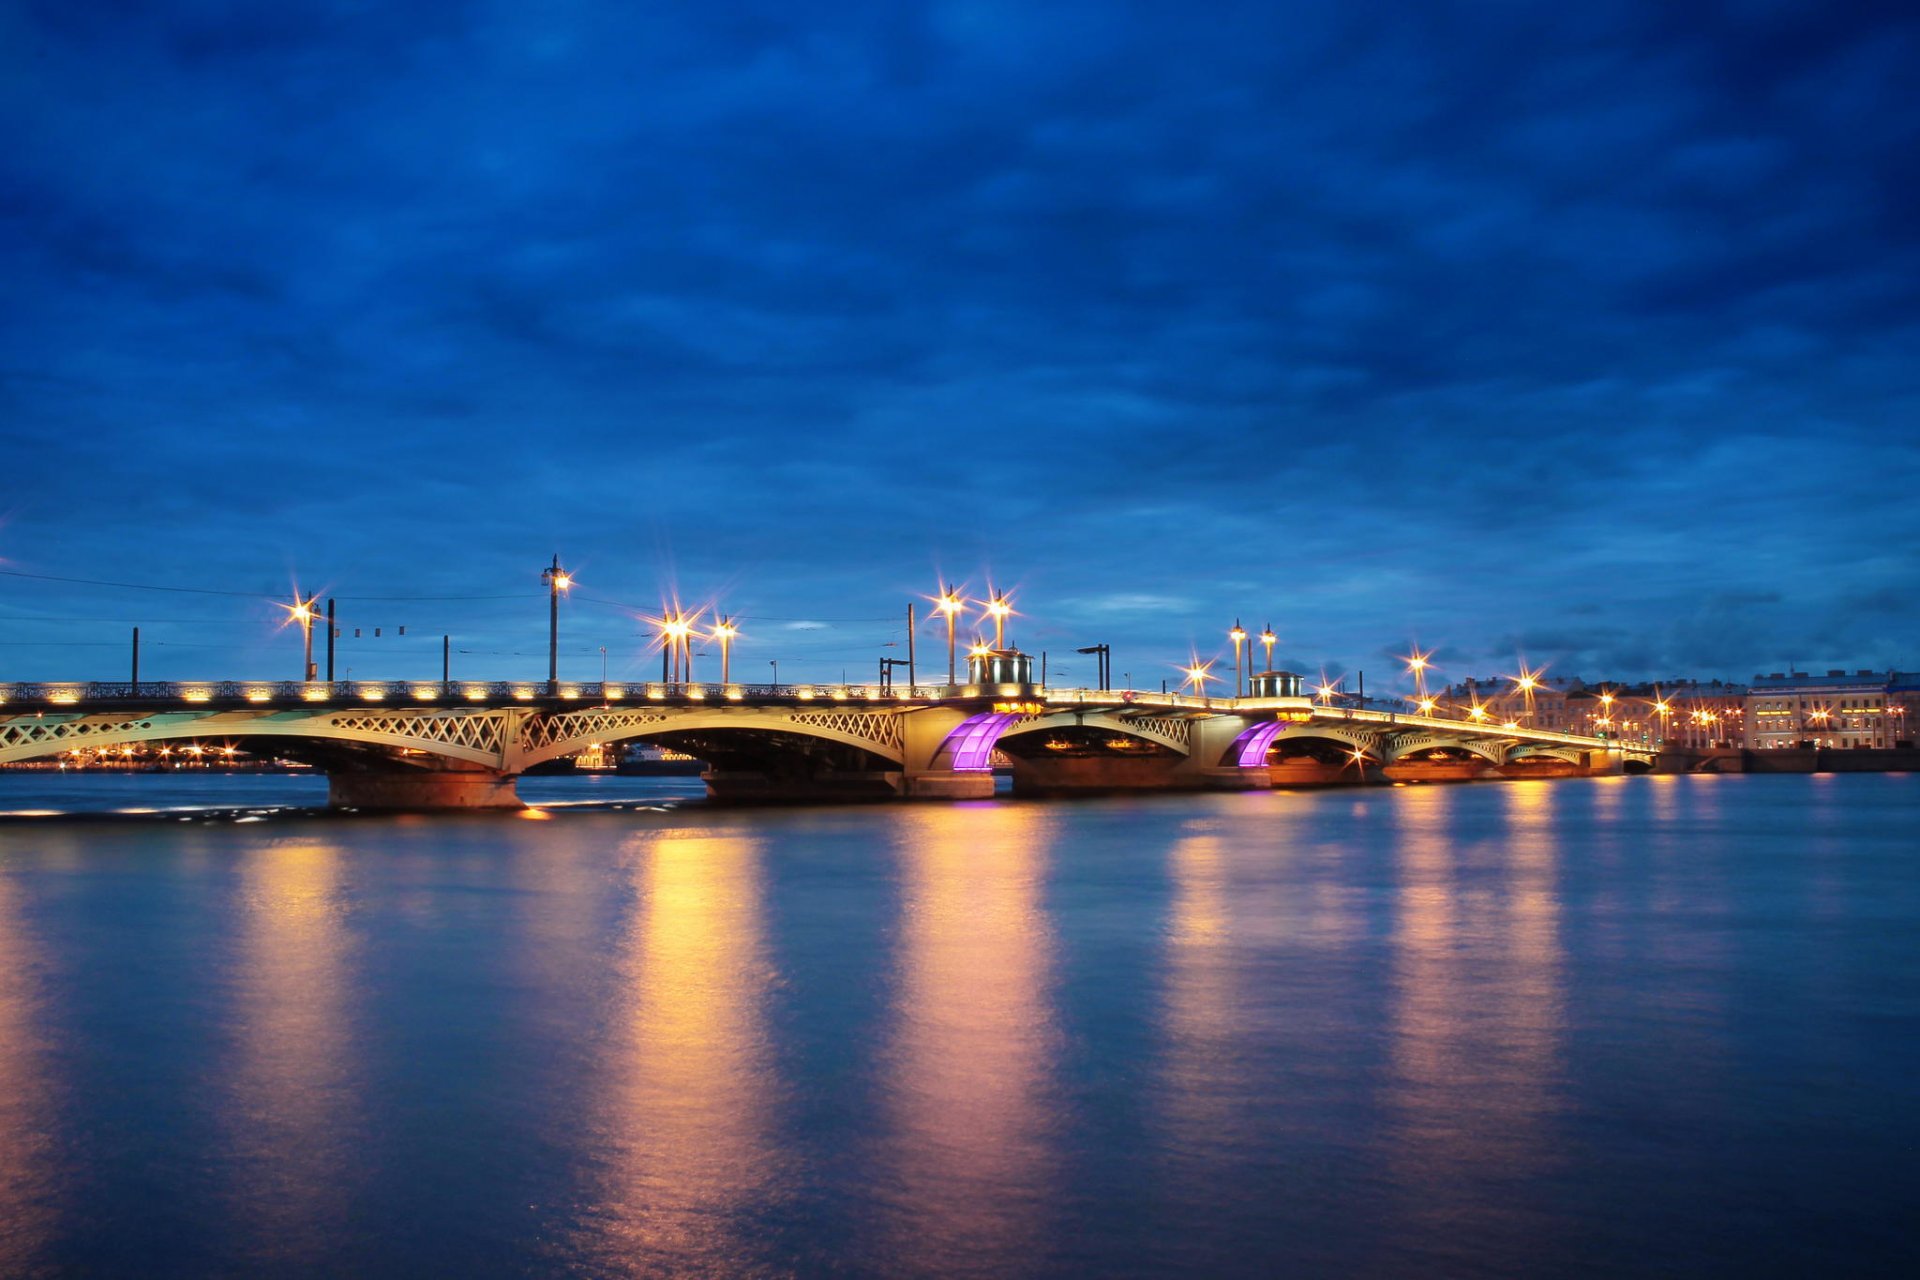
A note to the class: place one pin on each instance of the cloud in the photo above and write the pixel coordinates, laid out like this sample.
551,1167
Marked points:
1269,316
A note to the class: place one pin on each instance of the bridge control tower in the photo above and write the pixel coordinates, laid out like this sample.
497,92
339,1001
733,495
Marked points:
1274,684
1001,671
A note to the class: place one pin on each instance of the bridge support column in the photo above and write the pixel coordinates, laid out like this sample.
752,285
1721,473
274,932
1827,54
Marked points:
926,775
421,789
1210,764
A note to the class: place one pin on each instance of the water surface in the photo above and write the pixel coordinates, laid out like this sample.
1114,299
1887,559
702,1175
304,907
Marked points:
1615,1026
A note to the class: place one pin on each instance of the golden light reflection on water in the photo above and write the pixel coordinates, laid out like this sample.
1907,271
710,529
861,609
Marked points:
970,1140
26,1099
1478,1025
296,1118
685,1129
1199,1006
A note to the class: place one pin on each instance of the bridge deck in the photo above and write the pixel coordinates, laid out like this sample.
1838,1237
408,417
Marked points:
107,696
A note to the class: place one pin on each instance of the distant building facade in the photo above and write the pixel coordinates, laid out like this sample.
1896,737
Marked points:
1840,709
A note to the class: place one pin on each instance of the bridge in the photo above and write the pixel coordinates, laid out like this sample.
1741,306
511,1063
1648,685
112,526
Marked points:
462,744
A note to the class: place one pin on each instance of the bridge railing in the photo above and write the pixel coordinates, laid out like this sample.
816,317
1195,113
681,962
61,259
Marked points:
295,692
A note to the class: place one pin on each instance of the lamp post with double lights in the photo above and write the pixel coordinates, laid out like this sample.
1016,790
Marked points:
675,628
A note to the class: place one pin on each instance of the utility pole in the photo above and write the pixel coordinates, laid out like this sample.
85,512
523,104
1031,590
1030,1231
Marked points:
446,660
136,660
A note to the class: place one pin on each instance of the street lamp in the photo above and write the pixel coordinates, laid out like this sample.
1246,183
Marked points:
557,580
1267,639
302,612
724,631
675,629
1197,675
998,608
950,603
1103,663
1239,636
1526,682
1417,663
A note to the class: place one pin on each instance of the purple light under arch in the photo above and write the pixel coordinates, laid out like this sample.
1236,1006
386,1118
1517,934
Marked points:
971,744
1249,750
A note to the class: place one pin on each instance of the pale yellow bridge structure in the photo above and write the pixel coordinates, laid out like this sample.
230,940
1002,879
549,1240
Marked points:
463,744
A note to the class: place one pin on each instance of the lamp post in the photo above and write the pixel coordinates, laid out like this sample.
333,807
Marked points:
950,604
1103,664
1267,639
775,664
724,631
1417,664
557,581
1197,675
300,611
1526,682
672,627
1239,636
998,608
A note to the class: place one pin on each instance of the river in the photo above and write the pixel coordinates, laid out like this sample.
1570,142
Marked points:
1607,1027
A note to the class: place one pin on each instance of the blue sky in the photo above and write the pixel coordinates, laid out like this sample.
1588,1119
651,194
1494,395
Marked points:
1585,335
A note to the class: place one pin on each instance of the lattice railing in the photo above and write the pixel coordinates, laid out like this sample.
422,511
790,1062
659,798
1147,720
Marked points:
538,733
882,729
1174,729
39,733
475,730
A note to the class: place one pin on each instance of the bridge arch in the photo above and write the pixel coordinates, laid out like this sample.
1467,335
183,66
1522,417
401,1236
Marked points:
548,737
1407,743
467,737
1175,733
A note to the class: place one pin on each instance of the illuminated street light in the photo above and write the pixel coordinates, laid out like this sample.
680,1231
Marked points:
1239,637
1417,663
676,630
724,631
998,608
302,611
950,603
1198,674
557,580
1526,682
1267,638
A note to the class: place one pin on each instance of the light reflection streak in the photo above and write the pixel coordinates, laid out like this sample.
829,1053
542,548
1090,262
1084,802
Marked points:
971,1142
1203,1087
295,1091
27,1175
1478,1023
687,1120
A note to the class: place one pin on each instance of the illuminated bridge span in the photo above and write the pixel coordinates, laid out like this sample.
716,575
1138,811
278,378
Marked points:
460,744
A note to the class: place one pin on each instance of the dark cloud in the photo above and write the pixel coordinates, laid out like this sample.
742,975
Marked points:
1588,333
